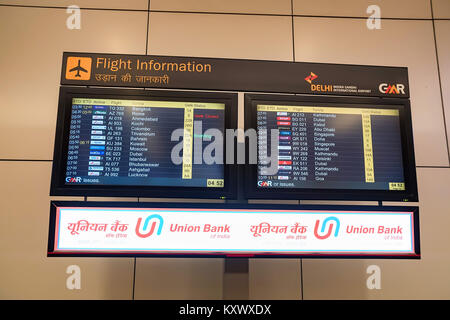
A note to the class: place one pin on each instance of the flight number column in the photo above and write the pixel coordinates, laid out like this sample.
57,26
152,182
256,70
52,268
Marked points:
300,147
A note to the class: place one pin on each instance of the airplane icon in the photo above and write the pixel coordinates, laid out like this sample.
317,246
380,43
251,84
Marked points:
78,69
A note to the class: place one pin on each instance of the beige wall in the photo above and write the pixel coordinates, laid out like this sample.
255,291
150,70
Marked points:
33,39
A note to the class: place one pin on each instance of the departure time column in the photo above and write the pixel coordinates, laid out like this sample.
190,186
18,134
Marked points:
79,142
263,145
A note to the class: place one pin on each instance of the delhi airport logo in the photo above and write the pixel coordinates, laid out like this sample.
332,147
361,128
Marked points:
312,76
330,228
156,219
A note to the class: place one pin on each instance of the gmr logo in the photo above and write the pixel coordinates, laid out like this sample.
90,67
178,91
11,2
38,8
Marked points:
73,179
264,183
392,89
330,228
152,228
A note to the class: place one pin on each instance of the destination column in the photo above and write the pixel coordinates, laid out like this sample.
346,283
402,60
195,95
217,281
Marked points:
141,161
338,140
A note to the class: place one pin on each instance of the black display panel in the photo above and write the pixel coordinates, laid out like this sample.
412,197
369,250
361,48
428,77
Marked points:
331,148
143,143
128,142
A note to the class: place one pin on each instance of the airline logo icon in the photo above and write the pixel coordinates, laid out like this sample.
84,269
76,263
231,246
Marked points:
156,219
330,221
311,77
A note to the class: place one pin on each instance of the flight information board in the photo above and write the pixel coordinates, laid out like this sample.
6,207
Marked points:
326,147
129,142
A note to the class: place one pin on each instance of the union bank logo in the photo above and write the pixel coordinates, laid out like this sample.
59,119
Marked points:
330,223
154,219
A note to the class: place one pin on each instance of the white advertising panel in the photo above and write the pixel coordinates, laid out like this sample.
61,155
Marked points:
232,231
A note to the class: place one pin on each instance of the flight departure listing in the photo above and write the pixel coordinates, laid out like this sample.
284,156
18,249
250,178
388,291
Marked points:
331,148
129,142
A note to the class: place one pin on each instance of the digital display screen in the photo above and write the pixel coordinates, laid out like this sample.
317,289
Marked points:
329,147
136,143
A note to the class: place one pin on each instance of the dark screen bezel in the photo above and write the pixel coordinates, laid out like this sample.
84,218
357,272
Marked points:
409,166
59,188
